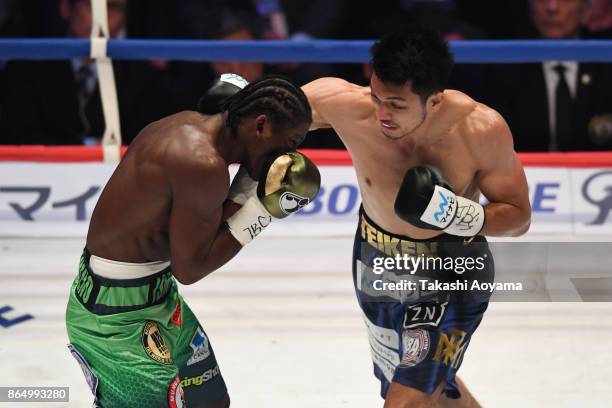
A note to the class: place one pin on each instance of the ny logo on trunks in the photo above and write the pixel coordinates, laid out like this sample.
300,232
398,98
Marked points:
450,350
155,345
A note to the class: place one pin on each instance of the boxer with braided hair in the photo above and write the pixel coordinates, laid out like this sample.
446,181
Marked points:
276,96
169,213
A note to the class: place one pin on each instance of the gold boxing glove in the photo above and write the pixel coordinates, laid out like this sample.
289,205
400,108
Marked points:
291,181
288,183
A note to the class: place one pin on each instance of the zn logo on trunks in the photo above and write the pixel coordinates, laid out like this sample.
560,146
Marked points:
424,314
290,202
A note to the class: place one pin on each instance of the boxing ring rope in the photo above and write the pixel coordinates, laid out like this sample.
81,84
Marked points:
331,51
83,154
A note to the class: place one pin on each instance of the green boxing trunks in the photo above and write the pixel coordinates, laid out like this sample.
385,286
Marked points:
138,343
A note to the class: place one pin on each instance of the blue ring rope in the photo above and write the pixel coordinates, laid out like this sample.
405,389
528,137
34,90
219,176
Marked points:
301,51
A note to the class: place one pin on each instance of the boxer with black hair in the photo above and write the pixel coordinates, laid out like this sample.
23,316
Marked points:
423,155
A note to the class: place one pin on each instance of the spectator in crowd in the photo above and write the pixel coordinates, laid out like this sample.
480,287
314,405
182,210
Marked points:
58,102
556,105
599,22
238,26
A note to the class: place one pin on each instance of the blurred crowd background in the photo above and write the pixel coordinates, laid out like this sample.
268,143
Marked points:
550,106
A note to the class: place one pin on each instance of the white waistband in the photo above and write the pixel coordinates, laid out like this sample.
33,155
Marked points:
124,270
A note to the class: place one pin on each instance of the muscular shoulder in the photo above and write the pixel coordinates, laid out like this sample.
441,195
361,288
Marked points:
191,160
487,137
482,128
334,97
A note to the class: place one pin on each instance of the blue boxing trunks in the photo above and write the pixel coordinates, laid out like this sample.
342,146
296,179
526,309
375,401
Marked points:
421,301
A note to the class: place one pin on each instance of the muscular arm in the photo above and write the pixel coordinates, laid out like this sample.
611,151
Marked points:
200,241
332,98
502,180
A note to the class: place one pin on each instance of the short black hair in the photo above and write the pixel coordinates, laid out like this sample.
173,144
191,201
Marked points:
413,53
274,96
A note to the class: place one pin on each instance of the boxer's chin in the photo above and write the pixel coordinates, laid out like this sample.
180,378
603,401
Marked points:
392,133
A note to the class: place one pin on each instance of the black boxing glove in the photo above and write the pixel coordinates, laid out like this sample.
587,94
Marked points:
426,200
225,86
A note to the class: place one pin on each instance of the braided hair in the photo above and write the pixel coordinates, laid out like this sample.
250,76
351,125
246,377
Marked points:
274,96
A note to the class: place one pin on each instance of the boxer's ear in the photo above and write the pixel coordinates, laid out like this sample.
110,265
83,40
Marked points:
434,100
262,127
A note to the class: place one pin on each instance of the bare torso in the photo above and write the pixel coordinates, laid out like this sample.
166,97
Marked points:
381,163
131,220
